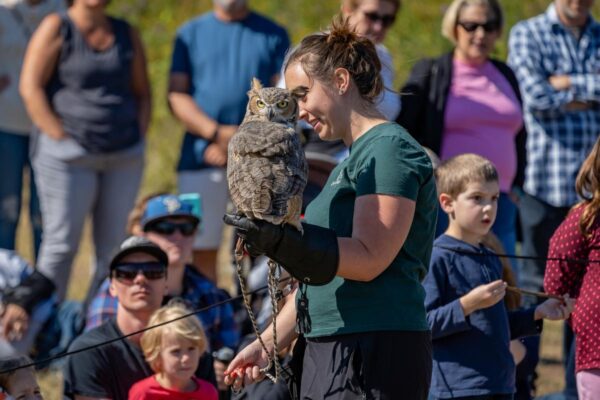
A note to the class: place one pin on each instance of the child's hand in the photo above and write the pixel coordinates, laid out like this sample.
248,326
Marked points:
554,309
483,296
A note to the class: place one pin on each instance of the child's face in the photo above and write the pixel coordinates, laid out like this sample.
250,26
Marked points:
23,386
178,357
473,212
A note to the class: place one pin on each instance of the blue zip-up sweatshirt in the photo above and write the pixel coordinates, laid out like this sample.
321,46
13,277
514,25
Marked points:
471,355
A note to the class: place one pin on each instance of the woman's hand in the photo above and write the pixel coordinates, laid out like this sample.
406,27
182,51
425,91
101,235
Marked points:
14,322
244,369
555,309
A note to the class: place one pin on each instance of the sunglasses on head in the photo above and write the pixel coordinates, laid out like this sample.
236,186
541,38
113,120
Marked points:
128,271
489,26
386,20
187,228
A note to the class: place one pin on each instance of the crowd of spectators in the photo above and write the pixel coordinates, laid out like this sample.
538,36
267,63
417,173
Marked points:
517,139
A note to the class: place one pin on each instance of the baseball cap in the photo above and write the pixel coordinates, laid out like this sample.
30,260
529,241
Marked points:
139,244
169,205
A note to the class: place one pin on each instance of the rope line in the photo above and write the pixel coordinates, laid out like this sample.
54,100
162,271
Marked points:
266,287
92,347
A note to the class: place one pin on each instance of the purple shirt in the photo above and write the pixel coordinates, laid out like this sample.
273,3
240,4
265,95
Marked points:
483,116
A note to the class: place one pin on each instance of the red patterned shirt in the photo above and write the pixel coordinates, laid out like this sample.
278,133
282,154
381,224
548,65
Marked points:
580,280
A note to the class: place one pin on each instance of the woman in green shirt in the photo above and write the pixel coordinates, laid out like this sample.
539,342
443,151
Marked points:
366,243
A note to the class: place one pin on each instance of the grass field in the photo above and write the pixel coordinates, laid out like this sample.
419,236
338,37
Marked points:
415,35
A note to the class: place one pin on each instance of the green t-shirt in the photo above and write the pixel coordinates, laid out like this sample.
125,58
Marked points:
385,160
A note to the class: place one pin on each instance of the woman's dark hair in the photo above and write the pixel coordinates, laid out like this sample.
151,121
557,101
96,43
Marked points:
341,47
587,186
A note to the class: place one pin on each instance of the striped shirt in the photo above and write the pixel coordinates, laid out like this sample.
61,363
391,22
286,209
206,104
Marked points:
558,139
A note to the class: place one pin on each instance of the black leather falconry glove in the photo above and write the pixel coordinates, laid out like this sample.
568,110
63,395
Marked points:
311,257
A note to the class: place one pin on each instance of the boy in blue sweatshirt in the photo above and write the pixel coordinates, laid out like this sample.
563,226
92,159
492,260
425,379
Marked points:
470,326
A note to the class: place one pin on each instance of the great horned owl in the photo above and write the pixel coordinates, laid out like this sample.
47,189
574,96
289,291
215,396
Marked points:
266,167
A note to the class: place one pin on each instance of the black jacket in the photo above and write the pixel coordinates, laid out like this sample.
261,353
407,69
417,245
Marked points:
424,98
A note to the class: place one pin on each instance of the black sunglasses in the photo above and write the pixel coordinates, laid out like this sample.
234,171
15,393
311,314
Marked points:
386,20
489,26
168,228
128,271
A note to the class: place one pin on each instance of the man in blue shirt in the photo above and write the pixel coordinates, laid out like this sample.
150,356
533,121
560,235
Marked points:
556,58
215,57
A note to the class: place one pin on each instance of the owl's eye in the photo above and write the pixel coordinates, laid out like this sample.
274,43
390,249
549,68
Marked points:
282,104
260,104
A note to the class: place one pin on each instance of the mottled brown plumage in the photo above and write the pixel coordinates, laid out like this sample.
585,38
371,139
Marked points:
266,167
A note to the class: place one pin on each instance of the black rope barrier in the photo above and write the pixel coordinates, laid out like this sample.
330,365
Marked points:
262,288
92,347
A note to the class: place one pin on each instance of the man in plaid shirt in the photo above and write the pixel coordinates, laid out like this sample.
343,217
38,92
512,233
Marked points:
556,58
171,222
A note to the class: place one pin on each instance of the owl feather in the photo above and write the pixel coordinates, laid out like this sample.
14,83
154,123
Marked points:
267,170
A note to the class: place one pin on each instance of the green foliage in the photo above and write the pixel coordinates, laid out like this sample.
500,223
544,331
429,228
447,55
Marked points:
416,34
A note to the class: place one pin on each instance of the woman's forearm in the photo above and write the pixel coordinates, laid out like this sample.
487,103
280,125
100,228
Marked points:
41,113
144,113
286,323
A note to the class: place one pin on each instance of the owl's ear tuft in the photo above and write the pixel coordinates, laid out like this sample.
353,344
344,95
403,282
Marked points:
299,92
256,85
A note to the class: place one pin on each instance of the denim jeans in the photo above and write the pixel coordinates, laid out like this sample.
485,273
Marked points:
14,158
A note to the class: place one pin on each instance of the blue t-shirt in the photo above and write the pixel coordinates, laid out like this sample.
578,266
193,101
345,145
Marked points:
221,58
471,355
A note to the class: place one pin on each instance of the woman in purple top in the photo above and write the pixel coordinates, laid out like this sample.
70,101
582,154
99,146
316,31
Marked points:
85,86
466,102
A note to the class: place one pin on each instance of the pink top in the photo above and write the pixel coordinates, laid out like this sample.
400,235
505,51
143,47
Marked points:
150,389
579,280
482,116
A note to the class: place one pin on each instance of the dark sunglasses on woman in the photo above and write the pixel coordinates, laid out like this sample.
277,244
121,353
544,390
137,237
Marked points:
386,20
187,228
489,26
127,272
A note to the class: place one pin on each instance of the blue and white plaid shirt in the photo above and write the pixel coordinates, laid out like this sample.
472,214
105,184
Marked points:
558,140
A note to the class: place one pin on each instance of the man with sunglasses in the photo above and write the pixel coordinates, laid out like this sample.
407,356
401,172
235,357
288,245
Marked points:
171,222
138,279
556,57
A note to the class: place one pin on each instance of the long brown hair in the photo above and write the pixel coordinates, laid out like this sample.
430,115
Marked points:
587,186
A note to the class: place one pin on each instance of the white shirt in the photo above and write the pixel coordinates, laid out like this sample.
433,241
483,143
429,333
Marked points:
18,20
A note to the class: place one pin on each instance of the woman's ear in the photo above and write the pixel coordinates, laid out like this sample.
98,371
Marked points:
341,80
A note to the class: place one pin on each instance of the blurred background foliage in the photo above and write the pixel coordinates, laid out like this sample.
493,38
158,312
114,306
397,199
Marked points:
416,34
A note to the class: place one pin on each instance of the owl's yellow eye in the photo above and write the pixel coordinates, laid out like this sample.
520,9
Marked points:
260,104
282,104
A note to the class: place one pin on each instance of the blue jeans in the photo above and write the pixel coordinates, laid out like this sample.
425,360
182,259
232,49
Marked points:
505,226
14,157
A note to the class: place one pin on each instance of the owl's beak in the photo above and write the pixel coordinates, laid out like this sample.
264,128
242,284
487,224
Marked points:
271,114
